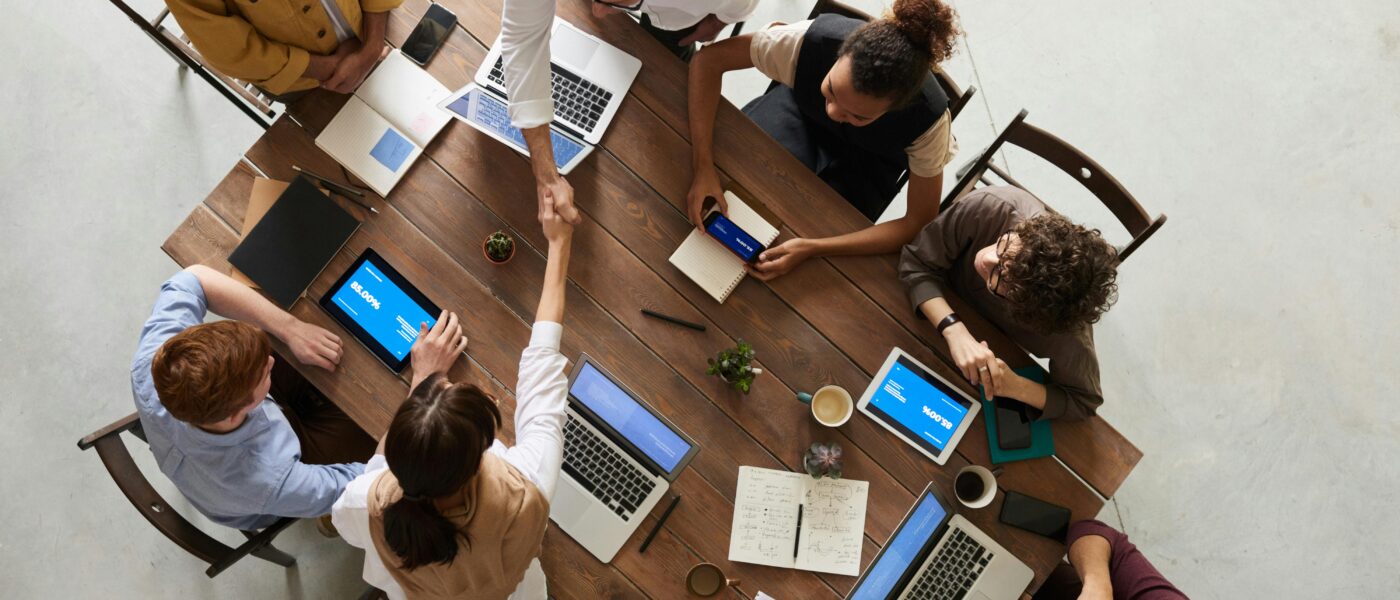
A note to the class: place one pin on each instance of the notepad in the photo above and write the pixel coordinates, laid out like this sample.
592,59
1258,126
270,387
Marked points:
293,242
765,530
385,126
708,263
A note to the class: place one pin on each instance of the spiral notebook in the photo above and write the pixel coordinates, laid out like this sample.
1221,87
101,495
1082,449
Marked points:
709,264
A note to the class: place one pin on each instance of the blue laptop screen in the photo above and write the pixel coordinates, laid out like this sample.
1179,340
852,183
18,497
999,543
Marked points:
629,418
917,404
383,310
490,112
900,552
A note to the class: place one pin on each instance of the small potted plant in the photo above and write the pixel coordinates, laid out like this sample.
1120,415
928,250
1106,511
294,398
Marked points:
735,366
498,247
823,460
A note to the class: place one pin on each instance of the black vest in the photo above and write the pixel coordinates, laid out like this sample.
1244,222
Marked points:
888,136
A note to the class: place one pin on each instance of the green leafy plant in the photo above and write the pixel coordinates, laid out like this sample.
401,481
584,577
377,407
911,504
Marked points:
734,365
499,247
823,460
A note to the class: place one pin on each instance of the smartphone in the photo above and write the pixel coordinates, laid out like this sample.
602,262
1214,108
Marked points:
427,37
738,241
1013,425
1035,516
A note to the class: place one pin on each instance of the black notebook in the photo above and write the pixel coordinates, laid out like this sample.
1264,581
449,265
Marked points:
292,243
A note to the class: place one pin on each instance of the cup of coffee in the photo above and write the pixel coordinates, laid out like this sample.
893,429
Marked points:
975,486
705,580
831,405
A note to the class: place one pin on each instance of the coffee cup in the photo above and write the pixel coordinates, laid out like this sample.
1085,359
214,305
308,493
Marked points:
975,486
706,579
831,405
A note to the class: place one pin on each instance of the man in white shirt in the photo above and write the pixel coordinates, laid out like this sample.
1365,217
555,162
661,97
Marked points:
681,24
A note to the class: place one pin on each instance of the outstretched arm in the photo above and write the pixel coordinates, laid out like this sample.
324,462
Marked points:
310,344
707,71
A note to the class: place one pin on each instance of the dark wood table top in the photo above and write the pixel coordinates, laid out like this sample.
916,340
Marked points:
829,321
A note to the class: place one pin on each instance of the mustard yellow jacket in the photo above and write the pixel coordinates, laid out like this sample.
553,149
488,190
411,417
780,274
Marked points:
267,42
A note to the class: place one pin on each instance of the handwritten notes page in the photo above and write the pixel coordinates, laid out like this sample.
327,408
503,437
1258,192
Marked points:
765,521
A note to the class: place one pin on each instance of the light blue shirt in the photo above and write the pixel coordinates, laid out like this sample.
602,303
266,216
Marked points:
246,478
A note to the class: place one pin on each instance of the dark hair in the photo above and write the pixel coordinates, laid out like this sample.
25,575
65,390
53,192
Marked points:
1061,277
890,57
207,373
434,447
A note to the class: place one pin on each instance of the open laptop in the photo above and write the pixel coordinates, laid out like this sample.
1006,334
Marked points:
934,555
620,457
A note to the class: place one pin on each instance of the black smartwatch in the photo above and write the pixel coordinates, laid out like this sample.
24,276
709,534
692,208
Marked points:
947,322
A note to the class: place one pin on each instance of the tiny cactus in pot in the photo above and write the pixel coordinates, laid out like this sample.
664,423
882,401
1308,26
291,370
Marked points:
498,247
823,460
735,365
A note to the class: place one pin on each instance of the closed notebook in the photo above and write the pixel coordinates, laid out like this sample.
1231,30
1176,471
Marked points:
293,242
712,266
1042,440
384,127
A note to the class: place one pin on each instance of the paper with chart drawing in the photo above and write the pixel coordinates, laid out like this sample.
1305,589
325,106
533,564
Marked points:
765,521
708,263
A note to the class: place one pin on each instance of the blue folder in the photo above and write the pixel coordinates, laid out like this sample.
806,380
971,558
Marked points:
1042,442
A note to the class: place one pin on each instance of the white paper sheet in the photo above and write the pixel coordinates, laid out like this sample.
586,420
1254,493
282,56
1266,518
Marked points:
765,528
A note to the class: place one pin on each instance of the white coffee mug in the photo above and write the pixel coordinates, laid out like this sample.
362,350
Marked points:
824,398
989,486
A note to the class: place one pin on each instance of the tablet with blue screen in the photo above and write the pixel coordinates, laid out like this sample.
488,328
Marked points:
380,308
919,406
489,113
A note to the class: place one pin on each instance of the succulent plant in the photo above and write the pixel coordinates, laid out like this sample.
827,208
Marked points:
499,246
734,365
823,460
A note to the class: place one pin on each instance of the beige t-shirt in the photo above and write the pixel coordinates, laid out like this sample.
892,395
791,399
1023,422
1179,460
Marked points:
774,50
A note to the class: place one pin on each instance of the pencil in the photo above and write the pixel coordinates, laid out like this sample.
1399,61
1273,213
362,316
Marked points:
681,322
347,192
659,522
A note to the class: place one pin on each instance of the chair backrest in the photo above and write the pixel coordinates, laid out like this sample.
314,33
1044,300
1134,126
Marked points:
957,97
134,485
1072,162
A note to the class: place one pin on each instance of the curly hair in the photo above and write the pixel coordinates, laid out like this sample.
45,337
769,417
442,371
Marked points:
1061,277
890,57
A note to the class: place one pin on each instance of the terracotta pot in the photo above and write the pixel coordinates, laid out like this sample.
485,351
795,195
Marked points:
493,260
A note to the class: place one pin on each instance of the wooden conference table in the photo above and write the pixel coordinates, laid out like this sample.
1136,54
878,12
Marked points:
829,321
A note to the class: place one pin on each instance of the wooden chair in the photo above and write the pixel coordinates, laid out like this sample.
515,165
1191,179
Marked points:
158,512
1076,164
247,97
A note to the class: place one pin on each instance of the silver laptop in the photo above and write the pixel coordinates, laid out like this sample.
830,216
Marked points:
620,457
590,76
936,555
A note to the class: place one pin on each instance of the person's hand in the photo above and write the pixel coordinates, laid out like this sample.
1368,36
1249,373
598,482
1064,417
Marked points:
353,69
556,229
705,185
436,349
976,361
322,68
705,30
780,259
557,196
312,345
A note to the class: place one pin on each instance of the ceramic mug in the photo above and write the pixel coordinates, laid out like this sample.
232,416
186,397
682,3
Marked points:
706,579
975,486
831,405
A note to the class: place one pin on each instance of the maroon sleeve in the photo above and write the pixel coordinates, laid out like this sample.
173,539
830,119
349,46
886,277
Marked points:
1134,578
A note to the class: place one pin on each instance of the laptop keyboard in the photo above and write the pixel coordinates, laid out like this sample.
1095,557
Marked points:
960,561
576,100
603,471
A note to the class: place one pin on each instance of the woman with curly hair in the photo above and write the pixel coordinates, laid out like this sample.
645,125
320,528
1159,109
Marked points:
854,101
1039,277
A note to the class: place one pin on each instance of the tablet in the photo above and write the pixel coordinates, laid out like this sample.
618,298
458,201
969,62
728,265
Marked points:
917,405
380,308
488,113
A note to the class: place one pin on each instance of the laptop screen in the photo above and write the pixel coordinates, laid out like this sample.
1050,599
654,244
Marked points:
491,113
629,418
902,551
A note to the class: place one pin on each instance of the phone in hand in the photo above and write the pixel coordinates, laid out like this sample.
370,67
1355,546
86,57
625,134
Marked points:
427,37
1013,424
1034,515
731,236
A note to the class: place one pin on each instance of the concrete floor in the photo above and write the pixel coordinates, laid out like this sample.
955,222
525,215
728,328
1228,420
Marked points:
1251,356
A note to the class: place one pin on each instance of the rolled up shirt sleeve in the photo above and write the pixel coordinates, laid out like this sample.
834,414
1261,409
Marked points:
774,50
233,47
525,30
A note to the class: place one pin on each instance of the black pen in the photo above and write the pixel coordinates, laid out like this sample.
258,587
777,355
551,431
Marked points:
797,541
339,187
659,522
681,322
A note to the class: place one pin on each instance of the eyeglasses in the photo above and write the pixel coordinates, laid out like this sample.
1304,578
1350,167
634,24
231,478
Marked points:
621,4
998,272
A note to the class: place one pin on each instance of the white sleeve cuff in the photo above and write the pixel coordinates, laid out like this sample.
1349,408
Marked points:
546,334
531,113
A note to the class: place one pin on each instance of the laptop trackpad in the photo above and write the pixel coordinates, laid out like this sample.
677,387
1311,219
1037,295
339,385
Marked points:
571,48
569,504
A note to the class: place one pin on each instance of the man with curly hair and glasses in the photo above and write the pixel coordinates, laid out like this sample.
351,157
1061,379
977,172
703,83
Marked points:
1039,277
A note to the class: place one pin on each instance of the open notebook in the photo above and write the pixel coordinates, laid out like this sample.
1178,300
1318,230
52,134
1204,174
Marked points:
785,519
387,123
708,263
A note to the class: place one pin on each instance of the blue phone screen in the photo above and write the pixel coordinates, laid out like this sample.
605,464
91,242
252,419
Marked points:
734,238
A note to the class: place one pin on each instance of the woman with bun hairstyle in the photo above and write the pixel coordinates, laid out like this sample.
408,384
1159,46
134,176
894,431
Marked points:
854,101
446,510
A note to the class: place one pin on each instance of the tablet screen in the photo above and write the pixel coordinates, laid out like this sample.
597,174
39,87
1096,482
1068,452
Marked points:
915,402
490,113
380,308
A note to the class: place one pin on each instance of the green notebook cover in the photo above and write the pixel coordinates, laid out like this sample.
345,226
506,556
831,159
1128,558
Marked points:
1042,442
